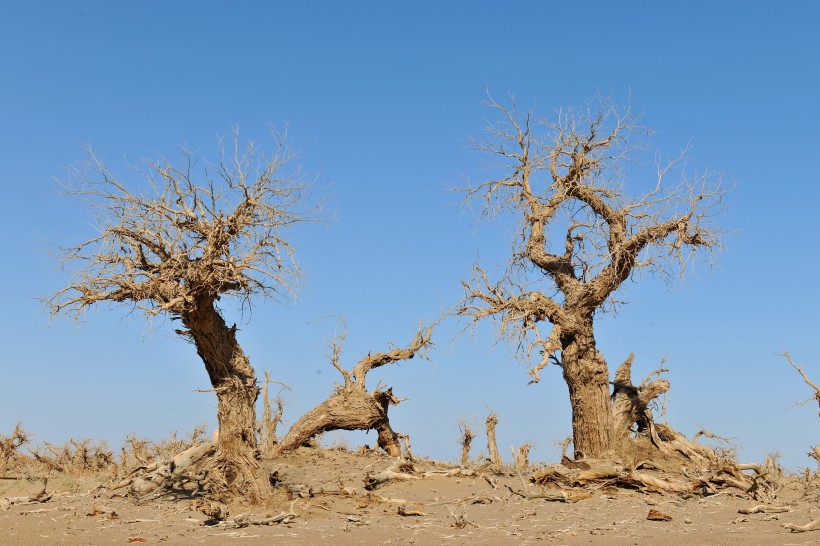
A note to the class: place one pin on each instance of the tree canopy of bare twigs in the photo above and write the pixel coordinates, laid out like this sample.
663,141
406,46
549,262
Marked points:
188,234
192,230
580,237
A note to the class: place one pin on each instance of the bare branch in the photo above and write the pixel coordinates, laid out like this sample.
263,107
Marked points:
806,379
183,234
420,344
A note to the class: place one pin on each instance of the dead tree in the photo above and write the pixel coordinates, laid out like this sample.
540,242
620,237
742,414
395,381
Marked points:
492,445
580,238
270,418
522,460
351,407
467,436
194,232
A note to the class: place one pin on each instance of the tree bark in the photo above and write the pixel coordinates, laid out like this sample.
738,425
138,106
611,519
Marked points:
350,408
236,471
587,377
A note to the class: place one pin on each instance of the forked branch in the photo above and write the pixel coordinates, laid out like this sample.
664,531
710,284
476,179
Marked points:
806,379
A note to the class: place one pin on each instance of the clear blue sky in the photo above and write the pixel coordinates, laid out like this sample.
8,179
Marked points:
381,97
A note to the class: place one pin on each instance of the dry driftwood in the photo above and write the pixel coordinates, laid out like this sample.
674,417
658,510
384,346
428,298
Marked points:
42,496
408,512
246,520
372,481
763,509
811,526
160,475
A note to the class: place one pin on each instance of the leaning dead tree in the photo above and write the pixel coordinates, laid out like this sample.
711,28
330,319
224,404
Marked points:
351,406
467,436
580,237
191,233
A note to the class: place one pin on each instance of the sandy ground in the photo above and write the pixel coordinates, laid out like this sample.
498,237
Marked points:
327,494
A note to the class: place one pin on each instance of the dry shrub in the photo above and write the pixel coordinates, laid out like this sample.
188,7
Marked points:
76,456
9,446
137,452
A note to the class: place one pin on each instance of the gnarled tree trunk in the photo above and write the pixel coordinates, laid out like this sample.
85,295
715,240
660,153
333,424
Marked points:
236,471
587,378
350,408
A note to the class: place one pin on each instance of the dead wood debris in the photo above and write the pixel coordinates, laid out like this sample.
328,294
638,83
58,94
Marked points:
811,526
247,520
218,514
656,515
459,515
704,479
405,470
185,472
216,511
372,481
409,512
763,509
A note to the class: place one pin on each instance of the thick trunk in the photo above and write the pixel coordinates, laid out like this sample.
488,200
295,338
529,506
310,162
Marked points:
350,408
236,471
587,377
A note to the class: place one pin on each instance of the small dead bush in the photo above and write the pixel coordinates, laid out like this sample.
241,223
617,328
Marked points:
9,446
76,457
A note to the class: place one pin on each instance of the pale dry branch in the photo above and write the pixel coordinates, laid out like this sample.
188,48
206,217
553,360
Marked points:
811,526
806,379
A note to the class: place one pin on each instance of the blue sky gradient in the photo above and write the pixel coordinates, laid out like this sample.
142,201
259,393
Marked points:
381,99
